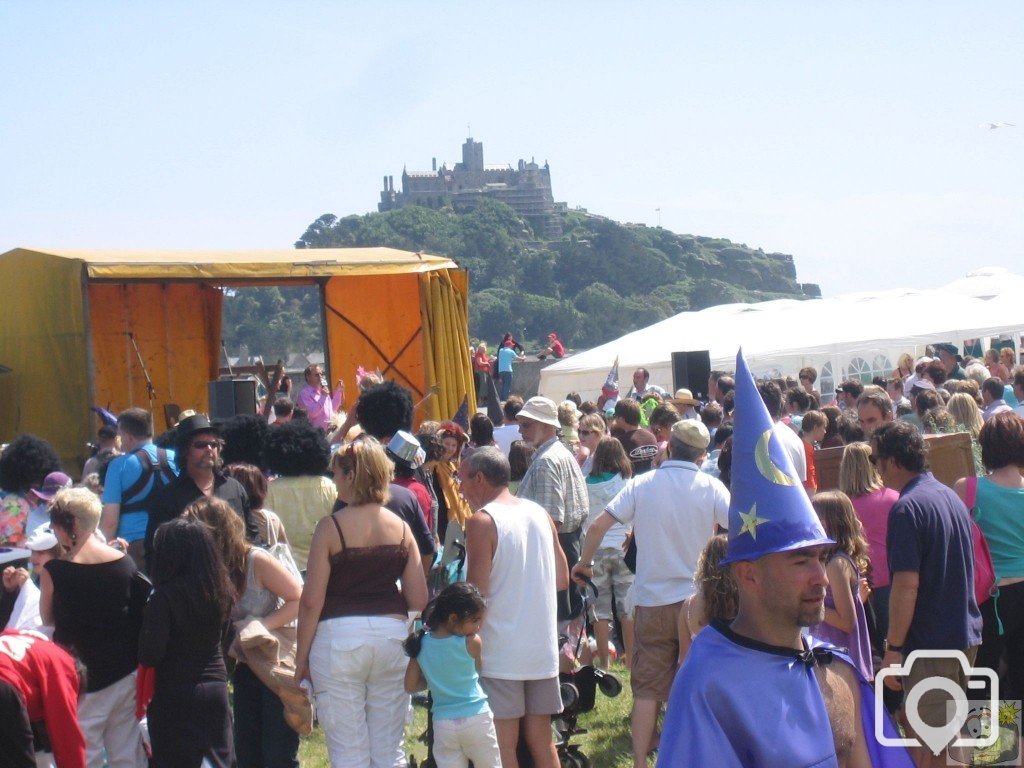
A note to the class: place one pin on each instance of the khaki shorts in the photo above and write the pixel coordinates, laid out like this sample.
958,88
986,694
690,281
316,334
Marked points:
513,699
932,705
613,580
655,650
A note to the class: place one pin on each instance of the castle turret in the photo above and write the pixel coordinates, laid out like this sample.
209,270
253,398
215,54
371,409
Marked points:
473,155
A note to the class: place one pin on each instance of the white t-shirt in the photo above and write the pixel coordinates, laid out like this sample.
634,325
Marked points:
520,631
794,447
505,435
673,511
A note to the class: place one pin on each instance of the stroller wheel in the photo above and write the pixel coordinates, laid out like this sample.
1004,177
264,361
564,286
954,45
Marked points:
610,685
573,758
570,695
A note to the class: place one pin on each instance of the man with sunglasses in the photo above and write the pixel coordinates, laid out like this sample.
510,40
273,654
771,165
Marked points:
198,449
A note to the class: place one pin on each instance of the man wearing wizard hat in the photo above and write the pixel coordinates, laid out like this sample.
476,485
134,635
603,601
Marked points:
757,692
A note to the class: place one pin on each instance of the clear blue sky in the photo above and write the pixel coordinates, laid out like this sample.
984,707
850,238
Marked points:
846,134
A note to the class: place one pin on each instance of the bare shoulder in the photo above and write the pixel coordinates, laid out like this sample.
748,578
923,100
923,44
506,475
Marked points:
480,521
845,671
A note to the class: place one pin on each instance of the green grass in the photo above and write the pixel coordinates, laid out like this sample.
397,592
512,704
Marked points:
607,743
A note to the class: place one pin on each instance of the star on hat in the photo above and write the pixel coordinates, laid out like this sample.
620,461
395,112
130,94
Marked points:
751,521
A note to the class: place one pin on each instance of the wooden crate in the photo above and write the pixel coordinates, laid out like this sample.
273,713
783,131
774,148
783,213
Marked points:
949,458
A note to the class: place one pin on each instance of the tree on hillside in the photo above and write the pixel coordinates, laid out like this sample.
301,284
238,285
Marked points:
599,280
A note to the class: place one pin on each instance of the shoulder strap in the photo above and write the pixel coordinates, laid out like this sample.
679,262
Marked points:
164,464
340,534
143,480
972,492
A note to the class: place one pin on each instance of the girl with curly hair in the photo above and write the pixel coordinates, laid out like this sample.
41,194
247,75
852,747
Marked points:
716,598
846,623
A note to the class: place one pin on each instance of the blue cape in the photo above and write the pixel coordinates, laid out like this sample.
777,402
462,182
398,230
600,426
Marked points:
737,703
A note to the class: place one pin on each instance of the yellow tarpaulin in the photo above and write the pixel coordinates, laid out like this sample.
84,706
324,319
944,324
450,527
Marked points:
67,315
42,334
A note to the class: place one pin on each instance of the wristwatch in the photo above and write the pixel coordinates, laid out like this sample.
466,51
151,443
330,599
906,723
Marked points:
588,564
890,647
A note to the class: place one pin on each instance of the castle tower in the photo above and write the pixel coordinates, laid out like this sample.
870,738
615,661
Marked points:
473,155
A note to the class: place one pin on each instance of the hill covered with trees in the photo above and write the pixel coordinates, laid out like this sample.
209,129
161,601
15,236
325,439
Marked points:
601,279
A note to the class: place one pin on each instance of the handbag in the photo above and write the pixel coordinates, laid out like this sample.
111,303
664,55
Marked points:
283,554
279,549
630,557
984,571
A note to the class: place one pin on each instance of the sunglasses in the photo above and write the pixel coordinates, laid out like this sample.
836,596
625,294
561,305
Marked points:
204,444
586,432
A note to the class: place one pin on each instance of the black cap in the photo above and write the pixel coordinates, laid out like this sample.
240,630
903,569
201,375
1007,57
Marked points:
948,348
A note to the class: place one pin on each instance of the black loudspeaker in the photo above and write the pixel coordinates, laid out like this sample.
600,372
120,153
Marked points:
691,370
232,398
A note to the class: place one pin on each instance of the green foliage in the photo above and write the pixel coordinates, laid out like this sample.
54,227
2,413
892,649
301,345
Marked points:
272,322
601,279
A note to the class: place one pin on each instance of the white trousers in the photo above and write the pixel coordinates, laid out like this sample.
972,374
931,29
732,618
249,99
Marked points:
358,670
108,722
458,741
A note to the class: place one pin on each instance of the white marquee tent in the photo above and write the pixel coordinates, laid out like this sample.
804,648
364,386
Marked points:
856,334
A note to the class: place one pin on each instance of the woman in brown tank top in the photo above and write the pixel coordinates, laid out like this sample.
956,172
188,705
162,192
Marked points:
364,578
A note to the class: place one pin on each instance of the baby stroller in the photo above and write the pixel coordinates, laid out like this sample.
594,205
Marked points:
578,688
579,692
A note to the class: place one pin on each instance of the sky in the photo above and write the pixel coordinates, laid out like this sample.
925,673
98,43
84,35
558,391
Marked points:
846,134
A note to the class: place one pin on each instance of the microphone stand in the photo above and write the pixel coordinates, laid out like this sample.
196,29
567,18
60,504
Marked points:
145,372
227,360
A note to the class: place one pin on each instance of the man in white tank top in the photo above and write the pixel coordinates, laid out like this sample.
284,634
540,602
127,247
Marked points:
514,558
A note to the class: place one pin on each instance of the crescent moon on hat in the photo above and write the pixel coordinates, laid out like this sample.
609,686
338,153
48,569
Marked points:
768,468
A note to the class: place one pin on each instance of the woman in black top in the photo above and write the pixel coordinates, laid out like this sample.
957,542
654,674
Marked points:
93,598
189,716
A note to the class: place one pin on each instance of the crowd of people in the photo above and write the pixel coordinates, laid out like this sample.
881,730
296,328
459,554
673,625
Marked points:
291,558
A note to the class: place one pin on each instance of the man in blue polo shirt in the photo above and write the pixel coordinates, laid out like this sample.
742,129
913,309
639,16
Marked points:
931,560
132,480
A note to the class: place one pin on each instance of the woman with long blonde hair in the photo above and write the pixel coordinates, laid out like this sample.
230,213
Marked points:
845,624
904,366
966,413
871,501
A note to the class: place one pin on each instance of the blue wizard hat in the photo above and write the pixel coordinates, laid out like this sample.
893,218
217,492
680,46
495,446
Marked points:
769,510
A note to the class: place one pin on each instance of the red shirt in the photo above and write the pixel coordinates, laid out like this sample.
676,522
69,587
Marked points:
557,349
422,495
481,362
811,483
45,675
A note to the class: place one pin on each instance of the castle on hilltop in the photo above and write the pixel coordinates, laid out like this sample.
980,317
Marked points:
526,189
